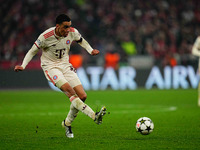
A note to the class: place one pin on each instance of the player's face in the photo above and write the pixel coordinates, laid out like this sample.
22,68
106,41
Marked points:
64,28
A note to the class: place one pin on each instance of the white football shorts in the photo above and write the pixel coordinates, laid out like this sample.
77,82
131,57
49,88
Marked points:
61,75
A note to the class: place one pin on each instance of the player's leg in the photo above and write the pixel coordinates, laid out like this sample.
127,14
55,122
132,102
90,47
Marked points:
76,101
73,112
56,77
81,106
75,83
76,105
80,92
77,86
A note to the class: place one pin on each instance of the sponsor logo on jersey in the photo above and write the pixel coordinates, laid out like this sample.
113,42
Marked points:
68,42
55,77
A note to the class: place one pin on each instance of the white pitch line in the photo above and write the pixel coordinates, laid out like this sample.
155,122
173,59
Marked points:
126,109
33,114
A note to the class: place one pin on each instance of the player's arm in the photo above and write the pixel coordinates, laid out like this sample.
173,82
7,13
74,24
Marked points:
196,47
87,46
32,52
83,43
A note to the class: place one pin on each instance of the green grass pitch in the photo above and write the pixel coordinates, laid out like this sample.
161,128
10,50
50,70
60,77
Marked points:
32,120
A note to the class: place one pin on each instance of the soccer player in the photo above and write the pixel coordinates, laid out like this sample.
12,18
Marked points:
196,52
55,44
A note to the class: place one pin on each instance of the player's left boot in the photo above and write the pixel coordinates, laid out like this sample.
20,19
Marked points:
68,130
99,115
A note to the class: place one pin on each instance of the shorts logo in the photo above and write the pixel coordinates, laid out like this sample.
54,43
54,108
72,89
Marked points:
55,77
68,42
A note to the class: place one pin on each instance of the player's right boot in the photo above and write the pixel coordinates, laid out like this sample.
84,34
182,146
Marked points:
99,115
68,130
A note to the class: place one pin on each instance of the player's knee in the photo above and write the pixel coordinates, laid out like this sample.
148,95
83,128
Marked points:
83,97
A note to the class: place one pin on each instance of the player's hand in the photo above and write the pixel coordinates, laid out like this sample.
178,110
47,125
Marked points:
18,68
95,52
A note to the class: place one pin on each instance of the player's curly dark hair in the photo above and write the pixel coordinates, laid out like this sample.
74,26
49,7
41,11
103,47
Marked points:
61,18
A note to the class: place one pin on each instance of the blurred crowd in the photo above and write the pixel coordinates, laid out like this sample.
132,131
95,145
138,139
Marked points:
165,30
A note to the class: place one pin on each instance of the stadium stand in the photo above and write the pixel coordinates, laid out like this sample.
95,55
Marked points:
164,30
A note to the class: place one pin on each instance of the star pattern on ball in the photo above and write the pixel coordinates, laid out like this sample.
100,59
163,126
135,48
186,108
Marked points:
148,128
144,125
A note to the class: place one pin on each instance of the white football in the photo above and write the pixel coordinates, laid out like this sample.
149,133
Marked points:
144,125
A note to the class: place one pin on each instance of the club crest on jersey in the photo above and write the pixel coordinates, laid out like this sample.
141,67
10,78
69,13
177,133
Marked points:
55,77
68,42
